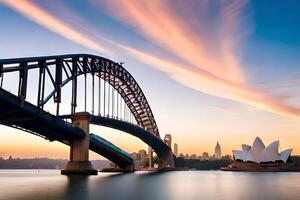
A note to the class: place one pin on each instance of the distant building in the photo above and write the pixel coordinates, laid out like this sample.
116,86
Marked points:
168,140
135,156
142,154
193,156
205,156
139,159
218,154
175,149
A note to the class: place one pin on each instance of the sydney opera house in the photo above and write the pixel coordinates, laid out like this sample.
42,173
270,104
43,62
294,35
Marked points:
258,157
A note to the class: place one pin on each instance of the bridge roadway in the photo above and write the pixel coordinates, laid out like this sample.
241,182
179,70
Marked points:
24,116
161,149
111,152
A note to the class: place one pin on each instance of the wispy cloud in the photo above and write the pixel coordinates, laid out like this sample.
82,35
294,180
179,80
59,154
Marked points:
220,76
43,18
221,109
212,85
172,28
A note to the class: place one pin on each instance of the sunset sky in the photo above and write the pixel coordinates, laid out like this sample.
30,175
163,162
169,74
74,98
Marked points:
212,70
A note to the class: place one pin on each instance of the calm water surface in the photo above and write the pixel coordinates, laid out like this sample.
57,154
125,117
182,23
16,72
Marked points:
50,185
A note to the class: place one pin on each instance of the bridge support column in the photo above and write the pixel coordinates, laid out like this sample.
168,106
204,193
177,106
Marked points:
79,155
168,161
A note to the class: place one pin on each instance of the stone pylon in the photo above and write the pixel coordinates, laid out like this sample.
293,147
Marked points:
79,152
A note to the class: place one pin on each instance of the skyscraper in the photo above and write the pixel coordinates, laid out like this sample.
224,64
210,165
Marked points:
175,149
168,140
218,154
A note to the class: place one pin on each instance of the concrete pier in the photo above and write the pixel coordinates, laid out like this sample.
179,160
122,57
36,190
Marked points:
168,161
79,153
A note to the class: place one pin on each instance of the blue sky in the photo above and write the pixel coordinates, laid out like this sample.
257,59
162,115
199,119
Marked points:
253,45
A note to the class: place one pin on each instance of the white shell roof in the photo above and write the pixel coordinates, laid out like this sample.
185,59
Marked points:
246,147
258,153
238,155
270,154
284,155
257,149
250,157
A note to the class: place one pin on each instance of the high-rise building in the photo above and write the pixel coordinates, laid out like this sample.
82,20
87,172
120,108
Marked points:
218,154
168,140
175,149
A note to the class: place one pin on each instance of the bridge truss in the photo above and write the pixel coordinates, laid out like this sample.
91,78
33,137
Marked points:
114,92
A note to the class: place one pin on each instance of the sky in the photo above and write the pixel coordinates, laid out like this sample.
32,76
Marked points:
212,70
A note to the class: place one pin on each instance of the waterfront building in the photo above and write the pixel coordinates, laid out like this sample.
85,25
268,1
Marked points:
258,153
258,157
218,154
193,156
175,149
139,159
142,154
205,156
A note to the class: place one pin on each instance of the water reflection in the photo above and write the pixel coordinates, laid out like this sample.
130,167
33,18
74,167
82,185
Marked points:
49,184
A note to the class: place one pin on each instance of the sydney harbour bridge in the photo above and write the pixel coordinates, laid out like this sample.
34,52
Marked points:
59,97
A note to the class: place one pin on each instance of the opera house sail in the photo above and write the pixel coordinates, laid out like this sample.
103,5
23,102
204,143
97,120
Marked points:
258,157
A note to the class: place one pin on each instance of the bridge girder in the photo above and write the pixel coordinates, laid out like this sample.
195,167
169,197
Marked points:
67,68
73,66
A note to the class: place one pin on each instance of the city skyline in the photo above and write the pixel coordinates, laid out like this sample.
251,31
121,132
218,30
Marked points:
235,76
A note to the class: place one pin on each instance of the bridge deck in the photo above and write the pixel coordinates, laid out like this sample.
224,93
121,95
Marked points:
158,145
110,151
27,117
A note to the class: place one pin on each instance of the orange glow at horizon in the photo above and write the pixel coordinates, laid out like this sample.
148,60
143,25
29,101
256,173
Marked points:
20,148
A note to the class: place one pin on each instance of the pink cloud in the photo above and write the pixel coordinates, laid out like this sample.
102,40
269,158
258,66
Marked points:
217,77
215,86
48,21
172,30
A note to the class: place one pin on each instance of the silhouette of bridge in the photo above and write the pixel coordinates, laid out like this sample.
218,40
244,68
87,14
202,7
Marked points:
101,92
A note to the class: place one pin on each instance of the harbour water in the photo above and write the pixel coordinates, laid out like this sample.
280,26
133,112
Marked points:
181,185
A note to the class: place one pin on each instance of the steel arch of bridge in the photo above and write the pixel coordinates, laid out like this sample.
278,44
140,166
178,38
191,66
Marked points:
72,66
